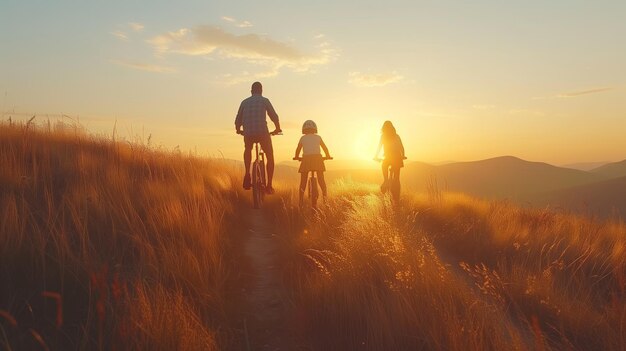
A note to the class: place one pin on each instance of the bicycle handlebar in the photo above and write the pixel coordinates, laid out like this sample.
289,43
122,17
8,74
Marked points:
276,132
300,158
378,159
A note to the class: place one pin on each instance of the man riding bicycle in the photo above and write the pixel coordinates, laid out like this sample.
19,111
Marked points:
252,117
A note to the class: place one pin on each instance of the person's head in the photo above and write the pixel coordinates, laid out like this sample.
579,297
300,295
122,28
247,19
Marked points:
309,127
388,130
257,88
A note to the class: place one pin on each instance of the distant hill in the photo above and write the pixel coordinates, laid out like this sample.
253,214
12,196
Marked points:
585,166
611,170
601,191
602,198
501,177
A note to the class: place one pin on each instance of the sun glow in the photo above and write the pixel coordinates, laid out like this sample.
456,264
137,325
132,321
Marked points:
365,143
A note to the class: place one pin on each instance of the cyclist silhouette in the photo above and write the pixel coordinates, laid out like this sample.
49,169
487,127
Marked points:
252,118
394,154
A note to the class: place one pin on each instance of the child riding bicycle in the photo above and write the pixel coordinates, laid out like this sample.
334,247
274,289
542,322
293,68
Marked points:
312,160
394,154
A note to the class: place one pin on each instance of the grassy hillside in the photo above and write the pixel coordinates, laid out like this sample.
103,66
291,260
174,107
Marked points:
109,245
448,272
115,246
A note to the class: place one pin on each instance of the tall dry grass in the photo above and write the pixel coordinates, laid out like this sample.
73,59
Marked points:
447,272
114,246
110,246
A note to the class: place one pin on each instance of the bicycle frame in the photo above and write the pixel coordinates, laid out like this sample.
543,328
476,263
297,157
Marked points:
394,186
313,189
312,183
394,181
258,172
258,177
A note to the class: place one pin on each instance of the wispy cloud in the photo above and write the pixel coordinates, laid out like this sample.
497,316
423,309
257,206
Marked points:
137,27
374,80
252,48
577,93
143,66
234,21
584,92
120,35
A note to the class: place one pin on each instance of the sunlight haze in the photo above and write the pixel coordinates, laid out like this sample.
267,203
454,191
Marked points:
461,81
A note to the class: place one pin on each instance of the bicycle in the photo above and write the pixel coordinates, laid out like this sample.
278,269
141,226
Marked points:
258,173
312,183
393,182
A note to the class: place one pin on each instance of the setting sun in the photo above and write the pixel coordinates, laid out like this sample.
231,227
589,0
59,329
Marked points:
365,141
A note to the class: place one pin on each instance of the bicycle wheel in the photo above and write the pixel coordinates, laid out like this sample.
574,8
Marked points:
395,188
261,182
256,186
313,190
263,172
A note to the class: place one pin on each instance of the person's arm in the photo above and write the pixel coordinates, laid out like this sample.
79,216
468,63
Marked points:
239,119
401,147
272,113
324,148
298,149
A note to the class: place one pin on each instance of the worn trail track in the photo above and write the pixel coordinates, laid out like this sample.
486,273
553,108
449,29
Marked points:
267,322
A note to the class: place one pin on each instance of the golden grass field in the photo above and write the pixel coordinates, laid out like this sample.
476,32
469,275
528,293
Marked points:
449,272
106,245
131,241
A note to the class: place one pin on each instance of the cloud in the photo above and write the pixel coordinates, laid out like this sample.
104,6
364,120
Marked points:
575,93
123,35
374,80
120,35
584,92
240,24
137,27
142,66
252,48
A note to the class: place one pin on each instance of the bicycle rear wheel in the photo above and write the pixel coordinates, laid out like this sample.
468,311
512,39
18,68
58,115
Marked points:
313,190
394,187
395,190
257,189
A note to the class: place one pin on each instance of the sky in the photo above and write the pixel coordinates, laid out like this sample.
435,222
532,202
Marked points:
460,80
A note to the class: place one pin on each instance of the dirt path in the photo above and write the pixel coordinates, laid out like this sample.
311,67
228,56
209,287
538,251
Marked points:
268,316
